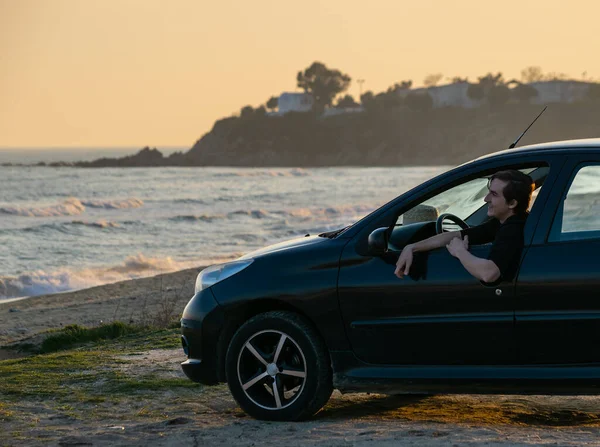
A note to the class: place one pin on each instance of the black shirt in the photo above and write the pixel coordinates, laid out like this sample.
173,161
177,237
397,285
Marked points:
507,242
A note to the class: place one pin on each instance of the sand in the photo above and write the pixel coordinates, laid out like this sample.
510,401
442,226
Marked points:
128,301
211,416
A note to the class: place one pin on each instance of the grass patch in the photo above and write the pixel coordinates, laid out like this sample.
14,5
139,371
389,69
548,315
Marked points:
74,334
90,373
5,413
48,375
149,339
102,380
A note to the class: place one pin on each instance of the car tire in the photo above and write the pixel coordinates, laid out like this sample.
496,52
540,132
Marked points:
278,367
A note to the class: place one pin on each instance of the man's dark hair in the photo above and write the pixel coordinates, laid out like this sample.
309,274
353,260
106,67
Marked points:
519,187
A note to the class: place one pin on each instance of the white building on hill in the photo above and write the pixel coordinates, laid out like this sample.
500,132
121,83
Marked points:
548,92
452,95
446,95
294,102
559,91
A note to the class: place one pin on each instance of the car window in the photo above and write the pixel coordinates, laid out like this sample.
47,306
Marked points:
579,214
461,200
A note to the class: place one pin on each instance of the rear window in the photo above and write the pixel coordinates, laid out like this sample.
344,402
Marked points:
579,213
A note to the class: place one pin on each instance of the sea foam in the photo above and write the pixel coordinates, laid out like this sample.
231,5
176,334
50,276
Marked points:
114,204
71,207
99,224
294,213
40,282
294,172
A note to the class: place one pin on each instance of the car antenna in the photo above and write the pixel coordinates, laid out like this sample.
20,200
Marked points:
521,136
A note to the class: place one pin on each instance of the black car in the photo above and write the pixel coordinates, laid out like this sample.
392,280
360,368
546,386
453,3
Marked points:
286,324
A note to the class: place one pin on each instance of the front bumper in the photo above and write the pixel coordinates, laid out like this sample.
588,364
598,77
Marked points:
200,372
201,326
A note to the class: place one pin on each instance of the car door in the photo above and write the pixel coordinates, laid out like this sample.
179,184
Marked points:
558,289
444,317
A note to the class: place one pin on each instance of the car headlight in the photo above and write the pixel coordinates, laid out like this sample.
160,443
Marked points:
215,273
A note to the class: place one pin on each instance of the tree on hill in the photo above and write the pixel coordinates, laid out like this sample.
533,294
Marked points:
490,87
250,112
458,80
532,74
555,76
273,103
366,98
387,100
322,83
524,92
246,112
431,80
346,102
402,85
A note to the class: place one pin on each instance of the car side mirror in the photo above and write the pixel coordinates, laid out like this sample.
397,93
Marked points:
378,241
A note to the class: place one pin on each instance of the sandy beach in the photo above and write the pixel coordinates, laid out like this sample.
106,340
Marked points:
127,301
209,415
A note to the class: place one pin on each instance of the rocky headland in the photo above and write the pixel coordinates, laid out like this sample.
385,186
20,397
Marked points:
394,137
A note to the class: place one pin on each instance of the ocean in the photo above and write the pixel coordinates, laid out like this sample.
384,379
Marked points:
70,228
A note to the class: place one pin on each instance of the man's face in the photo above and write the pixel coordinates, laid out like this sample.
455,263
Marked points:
497,206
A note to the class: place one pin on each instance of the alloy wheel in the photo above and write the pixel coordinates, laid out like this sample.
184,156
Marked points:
271,369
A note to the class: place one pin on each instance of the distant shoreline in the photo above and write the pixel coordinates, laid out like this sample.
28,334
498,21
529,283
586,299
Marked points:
33,156
381,137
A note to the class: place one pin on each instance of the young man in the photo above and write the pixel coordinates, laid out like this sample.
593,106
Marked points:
508,200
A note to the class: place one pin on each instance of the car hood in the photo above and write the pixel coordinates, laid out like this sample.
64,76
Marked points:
286,245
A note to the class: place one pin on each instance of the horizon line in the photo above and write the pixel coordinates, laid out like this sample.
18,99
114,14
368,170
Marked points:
45,148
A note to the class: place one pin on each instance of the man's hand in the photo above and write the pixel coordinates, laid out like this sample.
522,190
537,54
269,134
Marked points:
404,262
458,245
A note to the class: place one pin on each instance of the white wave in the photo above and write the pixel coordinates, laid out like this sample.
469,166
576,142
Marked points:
99,224
202,217
256,214
294,172
140,263
41,283
114,204
69,207
332,211
298,213
190,201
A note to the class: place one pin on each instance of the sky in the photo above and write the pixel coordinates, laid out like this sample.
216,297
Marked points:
132,73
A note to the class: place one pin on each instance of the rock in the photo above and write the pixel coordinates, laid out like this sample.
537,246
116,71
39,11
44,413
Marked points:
14,310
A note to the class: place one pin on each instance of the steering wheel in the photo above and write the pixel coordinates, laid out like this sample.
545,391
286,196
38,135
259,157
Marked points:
439,229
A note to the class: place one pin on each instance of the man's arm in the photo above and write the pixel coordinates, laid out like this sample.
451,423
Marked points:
482,269
406,257
433,242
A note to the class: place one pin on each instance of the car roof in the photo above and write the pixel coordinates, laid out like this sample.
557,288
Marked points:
586,143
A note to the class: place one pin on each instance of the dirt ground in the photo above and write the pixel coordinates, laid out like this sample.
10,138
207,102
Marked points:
209,416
